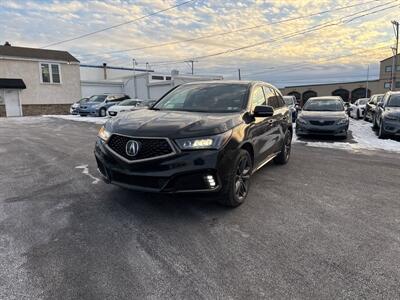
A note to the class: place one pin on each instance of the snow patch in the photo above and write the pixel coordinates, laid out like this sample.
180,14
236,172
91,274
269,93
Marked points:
78,118
85,170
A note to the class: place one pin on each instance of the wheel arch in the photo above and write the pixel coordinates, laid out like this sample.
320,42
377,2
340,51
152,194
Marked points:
249,148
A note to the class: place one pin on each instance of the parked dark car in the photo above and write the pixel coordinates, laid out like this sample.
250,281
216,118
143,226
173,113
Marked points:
370,107
206,137
387,115
323,116
97,105
74,109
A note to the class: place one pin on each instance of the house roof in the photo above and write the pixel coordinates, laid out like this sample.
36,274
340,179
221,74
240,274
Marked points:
391,57
36,53
12,83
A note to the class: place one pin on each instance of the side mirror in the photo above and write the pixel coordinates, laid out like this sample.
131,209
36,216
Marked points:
263,111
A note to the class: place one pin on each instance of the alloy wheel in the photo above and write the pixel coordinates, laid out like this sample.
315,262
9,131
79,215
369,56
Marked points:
242,178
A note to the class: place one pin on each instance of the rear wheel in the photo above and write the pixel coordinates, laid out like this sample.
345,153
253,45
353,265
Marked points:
358,114
237,188
103,112
284,155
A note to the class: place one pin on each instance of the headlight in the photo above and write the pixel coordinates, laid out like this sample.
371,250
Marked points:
104,134
390,117
342,121
207,142
301,121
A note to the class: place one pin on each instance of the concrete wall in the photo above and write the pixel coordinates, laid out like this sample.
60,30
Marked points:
376,87
36,92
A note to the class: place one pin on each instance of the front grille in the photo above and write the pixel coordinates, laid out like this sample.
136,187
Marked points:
148,147
322,123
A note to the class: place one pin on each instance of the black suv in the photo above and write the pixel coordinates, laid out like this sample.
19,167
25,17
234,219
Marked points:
387,115
207,137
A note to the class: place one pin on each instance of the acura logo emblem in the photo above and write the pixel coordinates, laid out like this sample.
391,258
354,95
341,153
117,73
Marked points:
132,148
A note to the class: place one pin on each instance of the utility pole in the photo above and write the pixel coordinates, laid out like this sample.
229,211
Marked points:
394,70
191,61
240,77
134,78
366,89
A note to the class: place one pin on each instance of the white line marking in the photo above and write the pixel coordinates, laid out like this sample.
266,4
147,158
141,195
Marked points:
85,170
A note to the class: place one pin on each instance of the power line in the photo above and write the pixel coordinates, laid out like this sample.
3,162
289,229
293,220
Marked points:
234,30
314,28
301,65
118,25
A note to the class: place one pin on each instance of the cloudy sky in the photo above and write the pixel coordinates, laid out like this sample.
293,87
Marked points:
285,42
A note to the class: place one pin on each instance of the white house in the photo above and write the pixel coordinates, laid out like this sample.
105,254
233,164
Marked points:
37,81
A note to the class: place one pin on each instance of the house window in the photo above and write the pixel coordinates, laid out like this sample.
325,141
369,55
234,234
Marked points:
388,69
156,77
397,84
50,73
387,85
397,68
168,78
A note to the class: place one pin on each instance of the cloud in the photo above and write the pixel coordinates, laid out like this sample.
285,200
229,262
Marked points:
37,23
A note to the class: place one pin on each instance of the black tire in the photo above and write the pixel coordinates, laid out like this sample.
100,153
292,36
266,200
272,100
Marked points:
358,114
237,188
102,112
284,156
381,132
374,125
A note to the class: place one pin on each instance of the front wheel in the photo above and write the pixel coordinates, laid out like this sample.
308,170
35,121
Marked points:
238,185
103,112
382,133
284,155
374,124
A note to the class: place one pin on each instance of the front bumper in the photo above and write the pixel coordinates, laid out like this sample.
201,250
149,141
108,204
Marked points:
89,112
186,171
334,130
391,127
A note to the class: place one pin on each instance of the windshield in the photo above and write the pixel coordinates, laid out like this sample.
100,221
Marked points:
323,105
211,97
97,98
288,100
375,99
362,101
129,102
394,101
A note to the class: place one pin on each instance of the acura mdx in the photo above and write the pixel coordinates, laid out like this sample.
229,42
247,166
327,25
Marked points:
207,137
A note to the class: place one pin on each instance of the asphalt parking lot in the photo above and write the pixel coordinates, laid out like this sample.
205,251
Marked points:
325,226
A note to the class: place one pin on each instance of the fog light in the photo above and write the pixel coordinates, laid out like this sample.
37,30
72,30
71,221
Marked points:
211,181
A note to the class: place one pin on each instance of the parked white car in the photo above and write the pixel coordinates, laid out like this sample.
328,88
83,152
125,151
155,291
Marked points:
126,105
357,109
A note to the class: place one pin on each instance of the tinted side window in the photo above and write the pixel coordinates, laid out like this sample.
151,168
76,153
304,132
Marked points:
272,98
257,97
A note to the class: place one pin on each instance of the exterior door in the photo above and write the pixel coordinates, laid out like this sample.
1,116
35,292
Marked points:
13,106
260,130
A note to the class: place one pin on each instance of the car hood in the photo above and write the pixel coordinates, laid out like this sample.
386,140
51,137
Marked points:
394,111
172,124
326,115
123,107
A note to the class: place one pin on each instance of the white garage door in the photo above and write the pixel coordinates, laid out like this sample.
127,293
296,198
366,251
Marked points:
13,106
90,89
